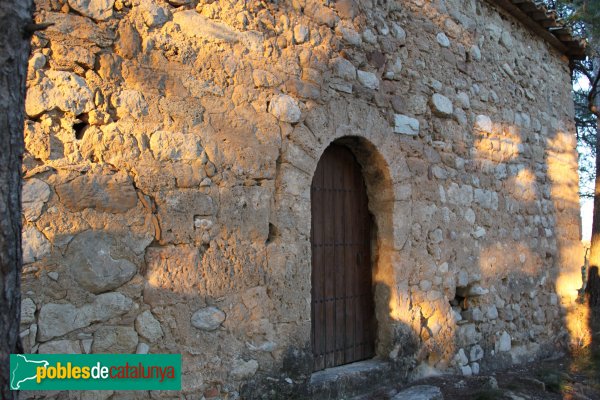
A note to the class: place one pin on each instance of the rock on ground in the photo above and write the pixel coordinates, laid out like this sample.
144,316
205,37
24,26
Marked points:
421,392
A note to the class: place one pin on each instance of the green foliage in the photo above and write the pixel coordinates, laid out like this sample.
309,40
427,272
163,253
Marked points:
583,16
553,379
585,122
588,13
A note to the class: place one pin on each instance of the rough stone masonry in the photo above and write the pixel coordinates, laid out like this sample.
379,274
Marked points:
170,152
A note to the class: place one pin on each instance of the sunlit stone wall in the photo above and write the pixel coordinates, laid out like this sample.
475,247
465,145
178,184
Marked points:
170,151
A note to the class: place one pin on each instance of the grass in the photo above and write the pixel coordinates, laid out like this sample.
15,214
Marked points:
488,394
554,379
586,362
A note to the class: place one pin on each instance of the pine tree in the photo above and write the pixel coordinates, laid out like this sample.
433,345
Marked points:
15,27
584,18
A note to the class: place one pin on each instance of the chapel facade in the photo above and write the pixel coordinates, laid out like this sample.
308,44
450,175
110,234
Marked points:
277,188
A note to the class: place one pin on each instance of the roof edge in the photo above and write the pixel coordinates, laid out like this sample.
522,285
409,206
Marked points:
535,16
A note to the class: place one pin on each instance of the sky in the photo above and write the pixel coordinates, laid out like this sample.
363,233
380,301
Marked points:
587,208
587,204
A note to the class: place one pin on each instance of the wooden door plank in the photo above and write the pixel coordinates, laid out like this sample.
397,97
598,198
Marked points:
329,260
317,306
342,303
350,256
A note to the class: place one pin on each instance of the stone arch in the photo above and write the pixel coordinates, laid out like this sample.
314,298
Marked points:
378,181
388,181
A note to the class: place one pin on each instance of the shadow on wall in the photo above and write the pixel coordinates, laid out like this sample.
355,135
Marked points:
510,279
450,268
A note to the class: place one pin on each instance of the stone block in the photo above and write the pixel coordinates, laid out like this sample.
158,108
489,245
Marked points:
58,319
60,347
27,311
130,102
175,146
63,90
442,39
153,14
285,108
196,25
208,319
441,106
35,245
35,194
107,193
148,327
406,125
343,68
483,123
504,342
301,33
115,339
262,78
100,262
177,211
368,79
476,353
79,27
244,369
128,43
173,272
95,9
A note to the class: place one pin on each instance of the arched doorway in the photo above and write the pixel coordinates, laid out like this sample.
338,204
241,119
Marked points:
342,307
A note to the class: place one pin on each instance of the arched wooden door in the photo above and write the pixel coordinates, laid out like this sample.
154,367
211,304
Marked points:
342,307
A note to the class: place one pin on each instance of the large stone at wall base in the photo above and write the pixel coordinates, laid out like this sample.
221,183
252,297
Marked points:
58,319
99,262
60,347
115,339
108,193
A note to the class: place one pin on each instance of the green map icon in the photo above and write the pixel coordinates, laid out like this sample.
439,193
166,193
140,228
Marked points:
23,369
95,371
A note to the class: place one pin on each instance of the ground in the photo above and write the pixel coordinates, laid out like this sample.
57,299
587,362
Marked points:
572,377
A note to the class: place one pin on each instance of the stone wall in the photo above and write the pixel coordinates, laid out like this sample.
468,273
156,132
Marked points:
170,152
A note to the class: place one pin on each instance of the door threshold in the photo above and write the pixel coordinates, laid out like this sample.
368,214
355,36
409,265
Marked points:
349,372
